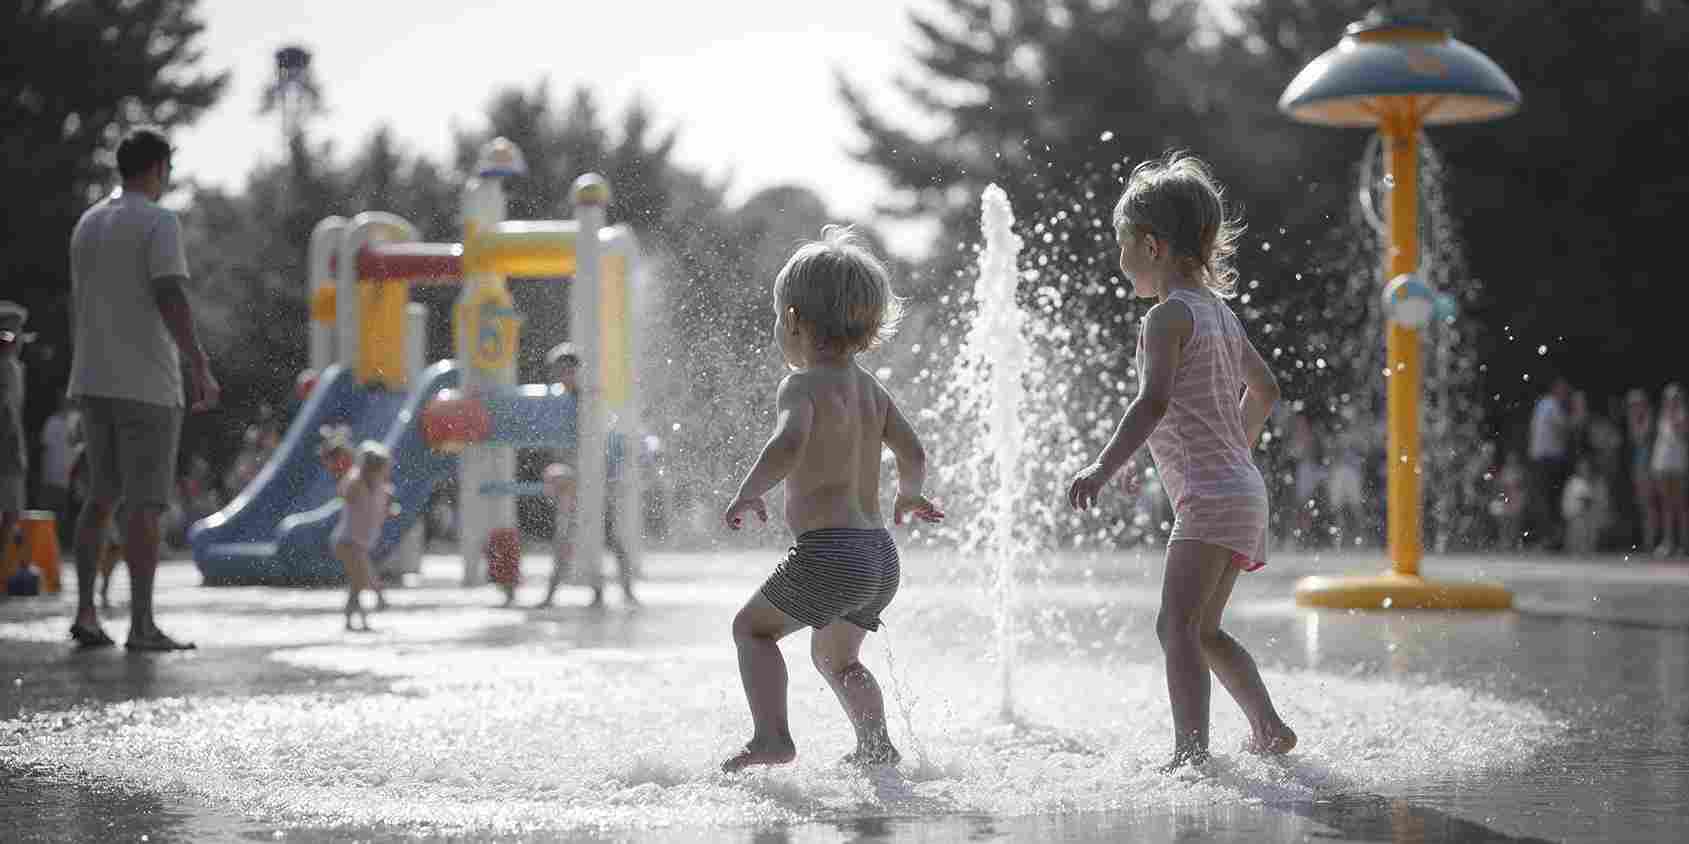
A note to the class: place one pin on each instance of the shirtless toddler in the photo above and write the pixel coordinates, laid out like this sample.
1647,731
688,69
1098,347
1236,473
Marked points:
832,300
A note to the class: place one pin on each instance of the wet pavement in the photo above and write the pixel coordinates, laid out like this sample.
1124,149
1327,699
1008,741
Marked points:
1564,720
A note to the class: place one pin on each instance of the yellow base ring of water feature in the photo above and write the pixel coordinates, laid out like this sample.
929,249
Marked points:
1393,591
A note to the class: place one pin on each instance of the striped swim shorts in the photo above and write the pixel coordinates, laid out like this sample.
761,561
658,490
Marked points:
836,573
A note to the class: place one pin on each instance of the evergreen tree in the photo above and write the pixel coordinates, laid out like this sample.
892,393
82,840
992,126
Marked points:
74,75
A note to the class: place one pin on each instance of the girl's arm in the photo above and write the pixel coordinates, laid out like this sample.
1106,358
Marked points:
1166,328
1260,393
795,414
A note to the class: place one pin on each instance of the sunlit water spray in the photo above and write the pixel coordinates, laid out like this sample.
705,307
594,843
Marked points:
997,337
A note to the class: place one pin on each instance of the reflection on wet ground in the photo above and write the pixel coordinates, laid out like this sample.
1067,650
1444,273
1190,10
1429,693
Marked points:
1566,720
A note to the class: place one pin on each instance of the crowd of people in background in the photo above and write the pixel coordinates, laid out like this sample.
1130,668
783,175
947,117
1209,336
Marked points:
1579,480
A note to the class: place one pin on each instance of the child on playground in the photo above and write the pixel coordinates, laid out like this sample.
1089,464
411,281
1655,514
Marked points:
1175,246
832,300
560,486
366,498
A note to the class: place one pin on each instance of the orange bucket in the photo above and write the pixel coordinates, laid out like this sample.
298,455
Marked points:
38,542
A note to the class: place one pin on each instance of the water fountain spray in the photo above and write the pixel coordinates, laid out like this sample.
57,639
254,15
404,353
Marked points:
997,337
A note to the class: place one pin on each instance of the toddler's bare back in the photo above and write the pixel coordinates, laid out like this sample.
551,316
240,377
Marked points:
837,478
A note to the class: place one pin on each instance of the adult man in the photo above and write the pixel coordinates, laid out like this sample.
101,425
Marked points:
132,326
1550,450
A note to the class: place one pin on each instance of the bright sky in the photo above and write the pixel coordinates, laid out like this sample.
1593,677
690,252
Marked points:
748,83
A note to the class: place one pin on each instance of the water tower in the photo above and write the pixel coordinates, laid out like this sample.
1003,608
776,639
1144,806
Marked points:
1396,75
294,92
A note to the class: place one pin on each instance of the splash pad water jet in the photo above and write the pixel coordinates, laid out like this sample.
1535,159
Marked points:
997,333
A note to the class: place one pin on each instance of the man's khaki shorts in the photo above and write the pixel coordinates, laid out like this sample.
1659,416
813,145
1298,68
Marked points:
131,449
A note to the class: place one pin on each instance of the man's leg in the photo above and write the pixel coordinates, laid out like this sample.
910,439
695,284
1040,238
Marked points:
140,551
91,526
146,449
104,490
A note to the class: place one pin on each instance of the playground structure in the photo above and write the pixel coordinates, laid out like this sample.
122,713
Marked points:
467,414
1398,75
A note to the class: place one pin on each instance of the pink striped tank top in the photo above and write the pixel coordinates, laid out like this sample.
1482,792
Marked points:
1201,454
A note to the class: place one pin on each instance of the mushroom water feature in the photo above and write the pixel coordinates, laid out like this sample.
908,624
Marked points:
1397,75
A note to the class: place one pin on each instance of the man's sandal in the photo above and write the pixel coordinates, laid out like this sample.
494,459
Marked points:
90,637
157,642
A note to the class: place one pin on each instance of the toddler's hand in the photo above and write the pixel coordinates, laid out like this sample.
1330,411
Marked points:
915,506
735,515
1082,491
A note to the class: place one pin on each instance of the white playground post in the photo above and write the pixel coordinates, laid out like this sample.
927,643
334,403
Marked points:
484,207
368,227
319,268
630,517
592,197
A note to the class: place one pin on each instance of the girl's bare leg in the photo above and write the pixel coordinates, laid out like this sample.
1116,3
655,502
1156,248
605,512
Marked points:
1193,572
356,562
1237,672
757,631
836,650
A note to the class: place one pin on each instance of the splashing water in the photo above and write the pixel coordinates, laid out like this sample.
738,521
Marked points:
587,724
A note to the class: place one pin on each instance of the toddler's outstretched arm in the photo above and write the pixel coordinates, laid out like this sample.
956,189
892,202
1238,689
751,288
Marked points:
905,445
795,414
1260,393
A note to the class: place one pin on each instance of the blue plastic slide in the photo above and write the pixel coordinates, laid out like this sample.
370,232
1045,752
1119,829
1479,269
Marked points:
276,530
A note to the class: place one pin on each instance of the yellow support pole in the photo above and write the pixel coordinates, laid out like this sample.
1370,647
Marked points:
1401,148
1402,587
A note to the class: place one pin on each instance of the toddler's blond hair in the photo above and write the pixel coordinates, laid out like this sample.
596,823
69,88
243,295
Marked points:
841,290
1177,199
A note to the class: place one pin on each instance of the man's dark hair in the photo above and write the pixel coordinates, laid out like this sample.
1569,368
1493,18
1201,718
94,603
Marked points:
141,150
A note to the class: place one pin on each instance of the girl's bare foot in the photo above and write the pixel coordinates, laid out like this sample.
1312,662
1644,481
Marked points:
1276,741
760,753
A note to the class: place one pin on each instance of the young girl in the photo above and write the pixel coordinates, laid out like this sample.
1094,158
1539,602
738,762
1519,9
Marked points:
1175,246
1671,470
366,496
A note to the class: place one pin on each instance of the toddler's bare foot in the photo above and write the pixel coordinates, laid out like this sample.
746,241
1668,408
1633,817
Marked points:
863,757
1275,741
760,753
